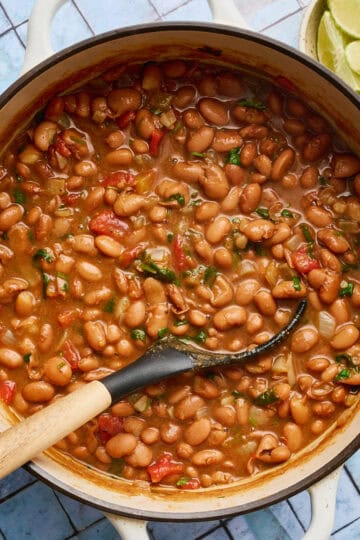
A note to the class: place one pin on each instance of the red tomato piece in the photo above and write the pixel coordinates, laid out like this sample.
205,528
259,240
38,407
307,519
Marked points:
67,317
164,466
109,426
181,259
285,84
129,255
61,147
70,199
124,120
7,391
107,222
302,261
71,354
155,140
118,179
192,483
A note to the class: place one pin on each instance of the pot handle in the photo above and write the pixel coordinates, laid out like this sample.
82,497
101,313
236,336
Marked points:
323,506
38,42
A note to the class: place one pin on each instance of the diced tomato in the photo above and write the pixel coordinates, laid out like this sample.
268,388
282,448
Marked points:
285,84
192,483
71,354
67,317
107,222
129,255
164,466
70,199
61,147
181,259
155,140
109,426
119,179
124,120
302,261
7,391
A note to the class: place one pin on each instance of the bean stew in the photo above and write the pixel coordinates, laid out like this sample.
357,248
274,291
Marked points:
186,199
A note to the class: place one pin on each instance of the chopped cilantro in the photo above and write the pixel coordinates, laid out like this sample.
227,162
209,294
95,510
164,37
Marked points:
117,466
266,398
252,421
43,254
307,234
27,357
31,235
178,197
170,237
138,334
77,140
287,213
263,212
200,337
180,322
45,280
150,268
19,196
345,267
296,282
248,102
322,181
18,178
182,481
343,357
65,285
233,157
195,202
198,154
61,365
343,374
238,394
210,275
347,290
162,332
109,306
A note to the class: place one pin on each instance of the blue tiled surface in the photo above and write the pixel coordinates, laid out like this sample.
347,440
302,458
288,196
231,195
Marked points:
29,510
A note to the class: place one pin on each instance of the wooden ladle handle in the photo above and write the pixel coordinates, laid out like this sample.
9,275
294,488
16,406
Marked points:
38,432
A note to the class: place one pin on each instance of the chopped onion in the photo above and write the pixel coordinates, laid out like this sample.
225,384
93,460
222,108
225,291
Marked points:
168,119
246,268
56,186
326,325
293,243
291,370
227,400
280,365
272,274
142,404
121,306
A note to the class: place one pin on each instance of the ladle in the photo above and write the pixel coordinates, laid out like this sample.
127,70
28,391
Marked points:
168,357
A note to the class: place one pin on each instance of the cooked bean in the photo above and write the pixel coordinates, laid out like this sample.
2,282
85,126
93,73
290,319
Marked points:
187,407
282,164
223,258
207,457
259,229
304,339
135,314
141,457
44,134
183,97
201,139
197,432
226,139
265,303
108,246
218,229
38,392
122,100
318,216
293,436
120,158
229,317
88,271
85,168
25,303
58,371
10,215
170,432
309,177
300,410
225,415
346,165
214,111
214,182
10,359
345,337
95,335
316,147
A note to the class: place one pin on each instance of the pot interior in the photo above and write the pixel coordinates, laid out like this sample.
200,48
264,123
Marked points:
321,90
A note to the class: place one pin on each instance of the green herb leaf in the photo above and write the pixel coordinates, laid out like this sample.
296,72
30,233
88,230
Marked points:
343,357
233,157
181,322
263,212
65,278
287,213
210,275
344,374
238,394
43,254
170,237
77,140
45,280
252,421
198,154
117,467
182,481
307,234
195,202
27,357
266,398
109,306
31,235
345,267
19,196
200,337
150,268
296,282
347,290
178,197
322,181
249,102
18,178
138,334
162,332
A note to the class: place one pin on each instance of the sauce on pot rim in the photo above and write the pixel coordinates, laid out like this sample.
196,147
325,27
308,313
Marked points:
187,199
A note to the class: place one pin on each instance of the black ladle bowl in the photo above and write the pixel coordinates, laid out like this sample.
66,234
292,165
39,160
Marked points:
170,356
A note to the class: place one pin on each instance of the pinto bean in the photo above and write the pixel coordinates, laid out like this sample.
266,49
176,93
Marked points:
58,371
225,415
318,216
293,435
188,171
38,392
207,457
88,271
170,432
246,291
108,246
128,204
248,153
214,111
183,97
250,198
265,303
282,164
95,335
304,339
10,359
259,229
218,229
187,407
345,337
326,282
335,243
346,165
226,139
316,147
300,410
229,317
193,119
214,182
200,139
158,318
135,314
222,292
197,432
10,215
44,134
122,100
309,177
141,457
206,211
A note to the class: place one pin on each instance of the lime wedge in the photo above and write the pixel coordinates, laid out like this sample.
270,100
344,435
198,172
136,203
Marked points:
331,43
347,15
352,54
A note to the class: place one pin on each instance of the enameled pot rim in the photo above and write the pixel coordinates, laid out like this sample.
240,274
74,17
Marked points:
349,95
